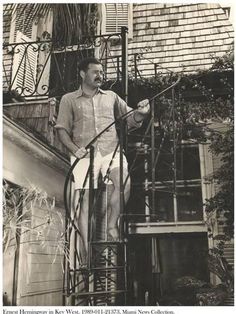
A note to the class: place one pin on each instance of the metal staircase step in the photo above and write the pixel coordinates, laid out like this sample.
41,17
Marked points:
101,242
103,281
97,293
97,269
107,268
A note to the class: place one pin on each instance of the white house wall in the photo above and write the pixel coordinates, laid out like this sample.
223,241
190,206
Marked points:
28,162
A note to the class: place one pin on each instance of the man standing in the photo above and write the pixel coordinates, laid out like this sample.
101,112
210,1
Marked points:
82,115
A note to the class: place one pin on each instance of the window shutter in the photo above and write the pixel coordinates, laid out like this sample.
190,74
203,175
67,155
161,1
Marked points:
24,65
116,15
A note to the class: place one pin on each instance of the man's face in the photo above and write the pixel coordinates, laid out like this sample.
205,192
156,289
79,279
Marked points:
93,77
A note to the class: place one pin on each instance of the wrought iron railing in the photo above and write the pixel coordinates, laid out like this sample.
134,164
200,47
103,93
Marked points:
80,282
42,68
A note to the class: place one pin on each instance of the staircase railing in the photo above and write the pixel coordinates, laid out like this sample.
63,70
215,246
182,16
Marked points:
104,252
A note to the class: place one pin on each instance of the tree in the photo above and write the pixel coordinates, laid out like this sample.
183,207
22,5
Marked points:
71,21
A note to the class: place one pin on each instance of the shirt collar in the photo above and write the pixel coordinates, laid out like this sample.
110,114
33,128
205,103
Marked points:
79,92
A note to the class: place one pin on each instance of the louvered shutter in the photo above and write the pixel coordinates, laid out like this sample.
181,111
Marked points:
116,15
24,65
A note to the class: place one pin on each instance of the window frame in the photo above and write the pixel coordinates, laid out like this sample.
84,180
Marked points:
188,183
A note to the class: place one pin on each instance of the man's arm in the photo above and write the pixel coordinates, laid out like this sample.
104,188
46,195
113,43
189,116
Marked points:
136,117
64,126
64,137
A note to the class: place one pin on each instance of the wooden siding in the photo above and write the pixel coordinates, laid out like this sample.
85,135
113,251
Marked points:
177,37
37,117
41,258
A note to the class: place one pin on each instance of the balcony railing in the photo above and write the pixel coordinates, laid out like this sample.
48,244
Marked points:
43,69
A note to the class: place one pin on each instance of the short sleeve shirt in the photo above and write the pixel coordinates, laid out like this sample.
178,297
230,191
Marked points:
84,117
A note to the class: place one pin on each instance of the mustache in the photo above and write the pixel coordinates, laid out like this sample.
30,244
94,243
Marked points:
98,79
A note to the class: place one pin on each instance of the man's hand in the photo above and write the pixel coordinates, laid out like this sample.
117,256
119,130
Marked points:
143,107
81,152
142,111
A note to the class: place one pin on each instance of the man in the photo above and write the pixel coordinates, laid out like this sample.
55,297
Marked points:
82,115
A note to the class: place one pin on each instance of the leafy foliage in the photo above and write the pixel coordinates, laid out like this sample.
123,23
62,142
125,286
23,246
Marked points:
226,62
71,21
223,202
203,112
191,291
18,203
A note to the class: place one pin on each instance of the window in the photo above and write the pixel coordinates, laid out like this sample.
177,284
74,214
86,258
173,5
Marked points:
168,200
188,205
116,15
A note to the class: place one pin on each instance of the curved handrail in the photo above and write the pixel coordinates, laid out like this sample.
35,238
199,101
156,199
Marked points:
99,134
87,147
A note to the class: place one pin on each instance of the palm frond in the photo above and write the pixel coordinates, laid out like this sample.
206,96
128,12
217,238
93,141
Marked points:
71,21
